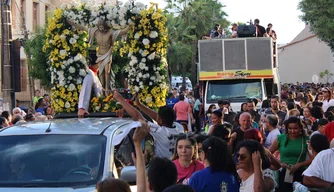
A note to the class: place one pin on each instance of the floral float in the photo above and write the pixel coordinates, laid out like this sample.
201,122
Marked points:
146,45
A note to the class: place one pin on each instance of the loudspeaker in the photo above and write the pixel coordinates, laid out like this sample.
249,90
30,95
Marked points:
246,31
16,64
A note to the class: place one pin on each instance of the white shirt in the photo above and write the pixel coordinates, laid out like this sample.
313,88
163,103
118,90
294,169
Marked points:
322,166
248,184
326,104
165,138
90,81
271,137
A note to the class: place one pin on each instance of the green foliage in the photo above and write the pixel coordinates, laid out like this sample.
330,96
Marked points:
37,59
189,21
326,75
319,15
119,64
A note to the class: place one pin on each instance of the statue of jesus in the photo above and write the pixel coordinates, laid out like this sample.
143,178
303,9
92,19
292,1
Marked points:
105,38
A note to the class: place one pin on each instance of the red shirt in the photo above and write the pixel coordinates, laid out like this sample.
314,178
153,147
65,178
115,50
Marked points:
184,173
182,109
329,131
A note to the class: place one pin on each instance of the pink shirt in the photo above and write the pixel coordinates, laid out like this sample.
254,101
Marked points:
182,109
184,173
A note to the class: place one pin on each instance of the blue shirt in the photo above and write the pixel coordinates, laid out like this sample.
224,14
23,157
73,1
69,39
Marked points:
40,110
171,102
207,181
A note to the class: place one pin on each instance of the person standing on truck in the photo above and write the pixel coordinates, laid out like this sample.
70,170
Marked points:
274,110
260,30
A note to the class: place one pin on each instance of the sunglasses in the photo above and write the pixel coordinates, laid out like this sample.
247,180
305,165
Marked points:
242,156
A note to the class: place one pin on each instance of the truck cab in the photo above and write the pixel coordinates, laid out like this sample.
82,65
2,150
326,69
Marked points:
238,70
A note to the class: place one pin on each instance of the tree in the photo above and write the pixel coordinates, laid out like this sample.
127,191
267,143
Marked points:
319,15
326,74
38,61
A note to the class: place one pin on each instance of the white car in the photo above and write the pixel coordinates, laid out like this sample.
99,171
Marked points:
68,154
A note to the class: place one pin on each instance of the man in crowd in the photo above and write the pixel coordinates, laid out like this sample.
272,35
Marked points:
274,102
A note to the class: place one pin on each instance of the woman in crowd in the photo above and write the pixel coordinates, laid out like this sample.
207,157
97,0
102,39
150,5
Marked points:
185,158
208,116
253,167
219,174
293,150
254,134
243,107
217,118
307,113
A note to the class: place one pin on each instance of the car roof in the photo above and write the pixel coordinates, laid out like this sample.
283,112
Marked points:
91,126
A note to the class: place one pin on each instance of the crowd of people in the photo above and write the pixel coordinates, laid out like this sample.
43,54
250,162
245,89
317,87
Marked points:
41,111
260,31
287,142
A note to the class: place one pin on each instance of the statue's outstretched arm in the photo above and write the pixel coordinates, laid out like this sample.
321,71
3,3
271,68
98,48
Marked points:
125,30
77,25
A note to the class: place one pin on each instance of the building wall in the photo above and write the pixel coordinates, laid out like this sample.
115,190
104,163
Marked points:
299,62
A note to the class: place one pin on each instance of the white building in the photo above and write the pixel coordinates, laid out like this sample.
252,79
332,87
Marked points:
304,57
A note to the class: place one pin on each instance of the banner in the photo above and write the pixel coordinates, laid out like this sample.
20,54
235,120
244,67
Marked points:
236,74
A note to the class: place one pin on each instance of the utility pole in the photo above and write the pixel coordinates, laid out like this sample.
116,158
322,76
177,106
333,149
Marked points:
25,33
7,80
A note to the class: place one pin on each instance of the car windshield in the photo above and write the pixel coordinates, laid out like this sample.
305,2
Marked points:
51,160
233,90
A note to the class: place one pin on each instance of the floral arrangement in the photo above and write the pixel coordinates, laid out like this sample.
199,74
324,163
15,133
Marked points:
67,50
104,104
146,44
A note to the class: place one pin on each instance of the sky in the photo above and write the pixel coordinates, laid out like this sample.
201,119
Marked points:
283,14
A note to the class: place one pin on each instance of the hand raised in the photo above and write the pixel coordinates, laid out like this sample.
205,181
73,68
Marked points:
256,158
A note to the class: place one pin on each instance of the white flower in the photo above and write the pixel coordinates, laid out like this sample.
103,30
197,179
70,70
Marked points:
142,66
150,83
51,41
143,60
123,23
71,69
134,59
73,41
140,75
70,61
152,78
63,66
62,37
79,81
71,87
63,52
136,36
148,99
61,82
75,36
143,54
97,108
67,105
136,88
135,10
82,72
146,68
93,14
146,41
69,77
151,56
78,57
153,34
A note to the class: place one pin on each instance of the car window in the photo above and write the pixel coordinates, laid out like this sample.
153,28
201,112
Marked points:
51,160
123,151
